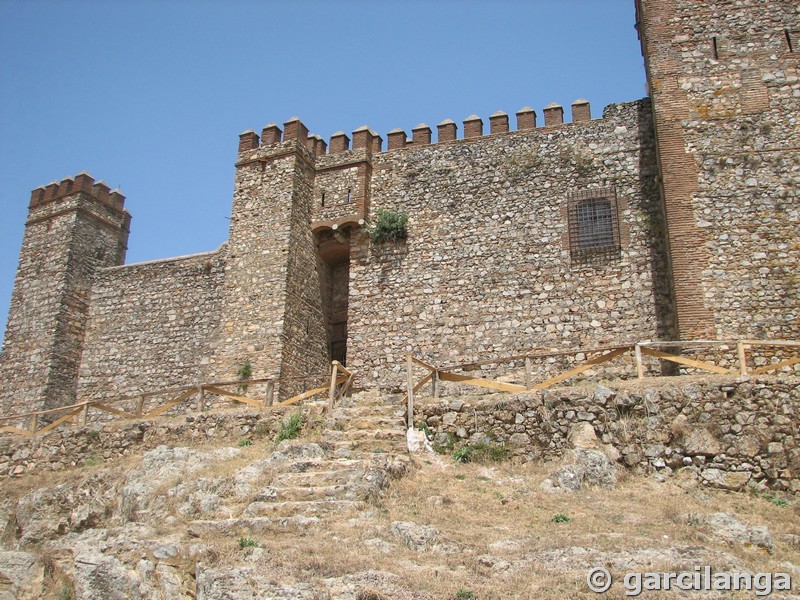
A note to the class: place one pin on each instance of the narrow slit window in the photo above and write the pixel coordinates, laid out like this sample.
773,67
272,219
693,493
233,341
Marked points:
323,198
788,35
349,196
716,50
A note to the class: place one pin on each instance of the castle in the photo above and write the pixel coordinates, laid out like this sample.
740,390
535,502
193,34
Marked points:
673,217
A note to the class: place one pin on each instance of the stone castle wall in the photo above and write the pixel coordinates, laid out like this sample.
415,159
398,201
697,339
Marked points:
487,268
724,78
151,326
700,190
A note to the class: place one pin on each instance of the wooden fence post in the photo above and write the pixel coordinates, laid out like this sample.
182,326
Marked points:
639,363
139,406
528,374
85,415
410,384
270,392
435,385
201,398
742,348
34,423
332,392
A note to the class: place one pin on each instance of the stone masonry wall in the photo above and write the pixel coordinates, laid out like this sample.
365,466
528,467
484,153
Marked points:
486,269
731,431
725,82
87,446
152,326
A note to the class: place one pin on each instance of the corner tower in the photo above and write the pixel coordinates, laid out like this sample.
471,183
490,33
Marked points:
723,77
73,228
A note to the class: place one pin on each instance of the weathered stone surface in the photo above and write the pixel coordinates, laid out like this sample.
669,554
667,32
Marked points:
21,575
416,537
729,480
728,527
161,468
699,441
584,466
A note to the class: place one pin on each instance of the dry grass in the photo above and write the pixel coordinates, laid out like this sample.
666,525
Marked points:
474,506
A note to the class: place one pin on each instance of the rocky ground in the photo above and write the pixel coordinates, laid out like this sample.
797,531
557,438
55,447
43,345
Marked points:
342,511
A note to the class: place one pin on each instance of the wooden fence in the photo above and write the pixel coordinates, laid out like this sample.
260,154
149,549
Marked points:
592,358
341,382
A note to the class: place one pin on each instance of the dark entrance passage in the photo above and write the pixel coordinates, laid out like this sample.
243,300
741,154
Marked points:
334,269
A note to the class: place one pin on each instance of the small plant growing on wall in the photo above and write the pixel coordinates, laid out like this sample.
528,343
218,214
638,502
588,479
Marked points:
390,226
244,373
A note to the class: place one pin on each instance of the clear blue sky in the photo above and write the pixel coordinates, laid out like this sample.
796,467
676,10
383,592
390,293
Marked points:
150,96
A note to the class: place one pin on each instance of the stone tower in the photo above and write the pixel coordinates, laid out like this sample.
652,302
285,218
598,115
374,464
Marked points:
73,228
272,315
723,78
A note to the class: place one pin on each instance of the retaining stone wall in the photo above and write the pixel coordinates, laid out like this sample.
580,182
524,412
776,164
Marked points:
731,430
66,448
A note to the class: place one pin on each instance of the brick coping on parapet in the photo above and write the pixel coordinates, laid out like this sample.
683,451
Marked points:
366,138
166,260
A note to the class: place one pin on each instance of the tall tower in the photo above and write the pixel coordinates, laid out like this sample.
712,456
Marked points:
272,314
723,77
73,228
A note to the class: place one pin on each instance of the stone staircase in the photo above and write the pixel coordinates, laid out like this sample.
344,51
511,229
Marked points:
361,448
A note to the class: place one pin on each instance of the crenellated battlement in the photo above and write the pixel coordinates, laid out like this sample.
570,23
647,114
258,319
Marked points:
81,183
421,135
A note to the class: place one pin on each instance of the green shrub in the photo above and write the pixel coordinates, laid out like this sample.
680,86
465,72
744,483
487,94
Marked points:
561,518
481,453
290,427
390,226
93,461
245,442
247,542
462,454
463,594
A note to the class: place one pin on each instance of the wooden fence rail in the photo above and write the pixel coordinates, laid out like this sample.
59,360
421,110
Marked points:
341,382
593,357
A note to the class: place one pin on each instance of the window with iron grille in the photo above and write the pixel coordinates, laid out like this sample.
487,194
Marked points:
593,226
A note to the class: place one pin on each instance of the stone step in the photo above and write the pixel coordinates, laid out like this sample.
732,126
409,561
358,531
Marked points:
330,476
385,410
346,461
295,507
242,526
375,422
302,493
363,435
362,447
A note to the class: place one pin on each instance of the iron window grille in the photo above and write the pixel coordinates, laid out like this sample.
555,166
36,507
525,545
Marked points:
593,226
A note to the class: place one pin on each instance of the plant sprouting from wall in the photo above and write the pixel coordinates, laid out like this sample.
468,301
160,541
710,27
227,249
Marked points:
244,373
390,226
